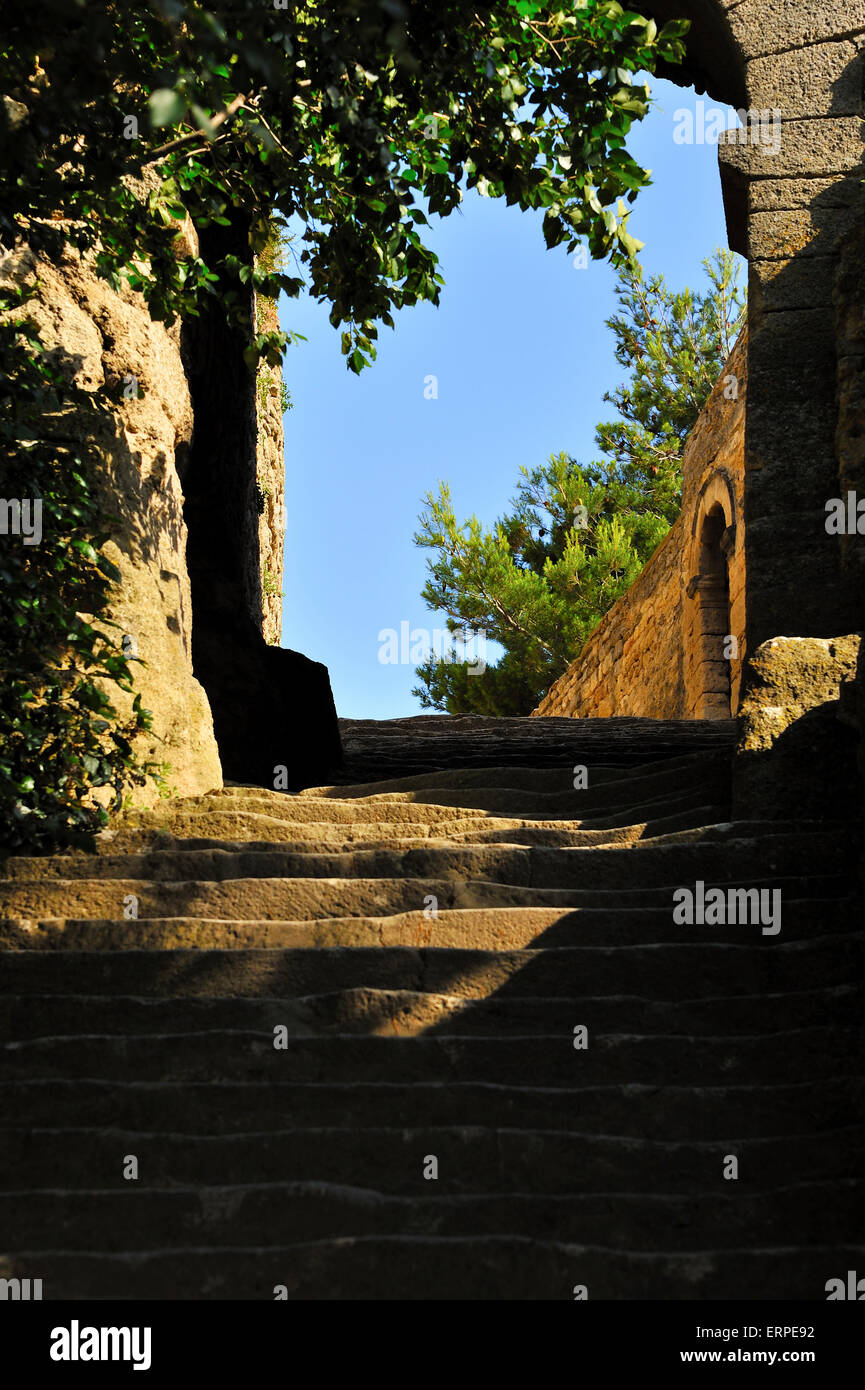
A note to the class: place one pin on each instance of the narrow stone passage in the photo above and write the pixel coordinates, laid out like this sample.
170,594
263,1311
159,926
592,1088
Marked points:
436,1033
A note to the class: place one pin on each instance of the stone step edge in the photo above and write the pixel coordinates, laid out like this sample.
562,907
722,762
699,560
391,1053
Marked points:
691,1257
462,1001
614,896
802,945
475,1131
436,1034
167,842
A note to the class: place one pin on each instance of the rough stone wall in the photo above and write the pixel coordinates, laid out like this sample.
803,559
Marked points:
657,652
270,452
102,340
850,428
714,479
632,663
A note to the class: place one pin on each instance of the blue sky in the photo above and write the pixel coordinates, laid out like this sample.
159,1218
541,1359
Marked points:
522,357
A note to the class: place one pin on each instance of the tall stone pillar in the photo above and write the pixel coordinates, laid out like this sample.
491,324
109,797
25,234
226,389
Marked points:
794,192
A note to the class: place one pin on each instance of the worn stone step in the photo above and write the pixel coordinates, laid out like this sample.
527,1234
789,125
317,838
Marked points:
268,1214
662,971
679,769
596,811
510,773
700,808
411,1034
297,810
549,1059
825,1115
602,789
568,803
407,1012
493,928
621,784
308,898
188,834
634,866
458,1268
470,1160
238,832
677,787
557,775
423,743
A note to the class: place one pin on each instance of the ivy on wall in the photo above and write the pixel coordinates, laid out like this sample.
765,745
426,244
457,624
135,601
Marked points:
62,737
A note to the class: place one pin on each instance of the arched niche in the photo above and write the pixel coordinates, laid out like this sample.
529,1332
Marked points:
713,617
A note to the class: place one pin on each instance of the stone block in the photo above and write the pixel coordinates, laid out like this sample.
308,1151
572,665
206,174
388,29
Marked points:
809,147
791,425
803,283
768,194
774,26
802,232
798,586
713,677
824,80
797,756
849,294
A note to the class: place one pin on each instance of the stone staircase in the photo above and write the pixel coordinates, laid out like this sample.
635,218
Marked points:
338,1039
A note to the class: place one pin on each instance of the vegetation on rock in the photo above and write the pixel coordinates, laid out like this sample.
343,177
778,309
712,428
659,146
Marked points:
61,734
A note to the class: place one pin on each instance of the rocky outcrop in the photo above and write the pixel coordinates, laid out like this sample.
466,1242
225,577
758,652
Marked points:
191,468
141,425
270,480
799,741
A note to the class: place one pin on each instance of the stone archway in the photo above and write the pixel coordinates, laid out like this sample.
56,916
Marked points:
713,615
712,612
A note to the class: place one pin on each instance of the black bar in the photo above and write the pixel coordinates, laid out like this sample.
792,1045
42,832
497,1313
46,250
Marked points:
259,1342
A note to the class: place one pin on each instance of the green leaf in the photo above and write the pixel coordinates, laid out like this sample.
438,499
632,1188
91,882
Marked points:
675,29
203,121
553,232
166,107
109,569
